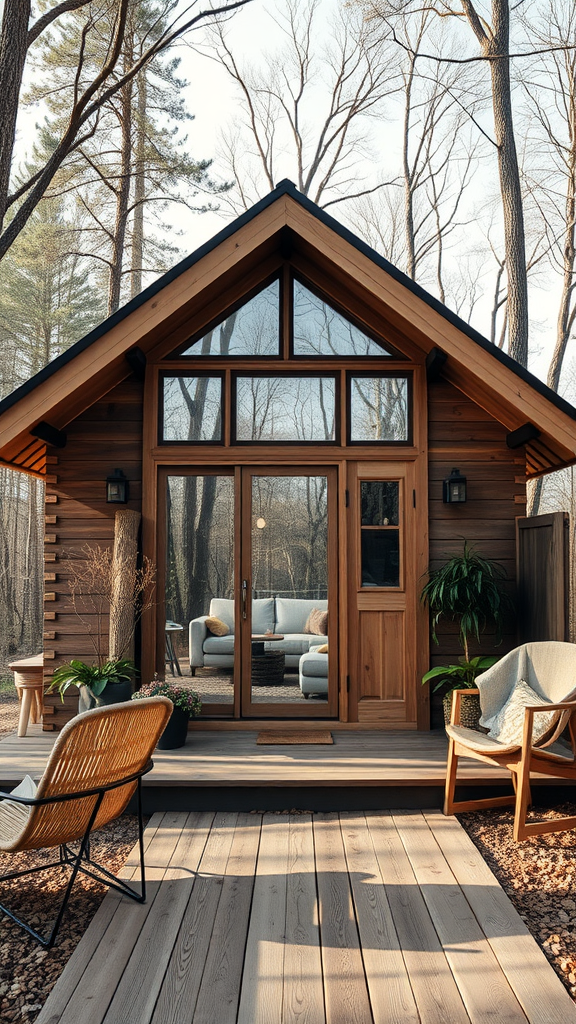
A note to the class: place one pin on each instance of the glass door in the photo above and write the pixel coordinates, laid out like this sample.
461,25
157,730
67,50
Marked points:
288,592
249,581
197,640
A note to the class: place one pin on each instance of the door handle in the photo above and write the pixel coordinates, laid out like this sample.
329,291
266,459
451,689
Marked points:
244,598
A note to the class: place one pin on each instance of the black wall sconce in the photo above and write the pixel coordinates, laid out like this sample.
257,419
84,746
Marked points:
454,488
117,488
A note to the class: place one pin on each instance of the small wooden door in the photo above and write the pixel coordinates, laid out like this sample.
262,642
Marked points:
388,644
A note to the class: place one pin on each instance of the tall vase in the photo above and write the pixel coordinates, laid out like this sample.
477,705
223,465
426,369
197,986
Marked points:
176,731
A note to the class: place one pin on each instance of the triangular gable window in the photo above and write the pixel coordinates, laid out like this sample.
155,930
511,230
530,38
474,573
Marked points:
251,330
319,330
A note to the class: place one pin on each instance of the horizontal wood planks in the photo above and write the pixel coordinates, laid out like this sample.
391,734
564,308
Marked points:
464,436
105,437
347,918
213,758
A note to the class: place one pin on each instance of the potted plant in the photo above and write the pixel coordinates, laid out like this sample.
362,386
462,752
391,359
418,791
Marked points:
187,705
109,592
109,683
468,589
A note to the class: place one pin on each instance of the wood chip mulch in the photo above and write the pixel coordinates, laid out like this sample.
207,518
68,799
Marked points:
539,877
28,973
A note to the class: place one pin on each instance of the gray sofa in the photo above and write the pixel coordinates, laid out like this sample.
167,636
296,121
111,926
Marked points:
313,672
286,615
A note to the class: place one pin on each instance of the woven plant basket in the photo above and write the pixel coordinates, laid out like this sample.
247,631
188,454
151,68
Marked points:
469,710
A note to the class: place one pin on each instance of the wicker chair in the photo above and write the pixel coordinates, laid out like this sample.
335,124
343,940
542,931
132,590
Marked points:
95,767
549,667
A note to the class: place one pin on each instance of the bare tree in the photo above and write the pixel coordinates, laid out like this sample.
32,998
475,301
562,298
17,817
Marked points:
306,106
88,92
412,221
493,38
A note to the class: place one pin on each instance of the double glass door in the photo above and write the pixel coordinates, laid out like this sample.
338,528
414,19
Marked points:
250,588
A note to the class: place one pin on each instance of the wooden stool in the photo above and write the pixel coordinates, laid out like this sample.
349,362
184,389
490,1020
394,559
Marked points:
29,683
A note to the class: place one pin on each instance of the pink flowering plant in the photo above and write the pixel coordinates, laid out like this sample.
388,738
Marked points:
181,697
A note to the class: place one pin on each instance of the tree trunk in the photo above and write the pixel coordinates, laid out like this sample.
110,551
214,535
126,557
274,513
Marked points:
123,191
139,187
13,50
510,190
122,611
566,312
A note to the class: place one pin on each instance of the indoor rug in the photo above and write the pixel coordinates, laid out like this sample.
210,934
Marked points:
320,736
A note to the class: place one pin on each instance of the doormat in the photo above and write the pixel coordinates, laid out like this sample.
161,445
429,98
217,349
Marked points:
281,738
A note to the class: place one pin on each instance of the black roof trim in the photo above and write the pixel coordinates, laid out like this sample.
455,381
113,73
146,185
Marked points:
287,187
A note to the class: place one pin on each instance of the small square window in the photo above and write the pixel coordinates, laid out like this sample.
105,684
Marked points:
379,409
192,409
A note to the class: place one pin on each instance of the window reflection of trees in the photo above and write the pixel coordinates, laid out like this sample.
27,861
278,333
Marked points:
253,330
285,408
321,331
379,409
200,549
290,552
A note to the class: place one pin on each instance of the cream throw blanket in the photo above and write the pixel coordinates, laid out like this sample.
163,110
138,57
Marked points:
549,668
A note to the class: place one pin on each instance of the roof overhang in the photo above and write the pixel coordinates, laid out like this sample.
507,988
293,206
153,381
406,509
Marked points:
336,259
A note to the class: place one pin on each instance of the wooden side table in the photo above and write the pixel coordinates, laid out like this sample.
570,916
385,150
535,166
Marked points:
29,683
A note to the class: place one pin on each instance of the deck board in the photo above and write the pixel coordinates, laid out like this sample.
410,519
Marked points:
409,925
228,758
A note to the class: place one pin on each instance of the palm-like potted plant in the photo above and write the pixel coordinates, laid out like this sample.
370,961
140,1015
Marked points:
469,590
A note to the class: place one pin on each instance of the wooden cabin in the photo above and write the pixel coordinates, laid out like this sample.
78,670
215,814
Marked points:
285,407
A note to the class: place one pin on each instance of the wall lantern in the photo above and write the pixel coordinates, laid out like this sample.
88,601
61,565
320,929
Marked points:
117,488
454,488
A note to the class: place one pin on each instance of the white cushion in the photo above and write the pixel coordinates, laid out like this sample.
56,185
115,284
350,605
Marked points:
507,725
263,615
13,816
291,613
223,608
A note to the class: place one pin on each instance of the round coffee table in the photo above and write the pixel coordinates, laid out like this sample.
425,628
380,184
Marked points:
267,666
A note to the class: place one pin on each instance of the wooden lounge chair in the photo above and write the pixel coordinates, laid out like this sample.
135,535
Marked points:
96,765
549,668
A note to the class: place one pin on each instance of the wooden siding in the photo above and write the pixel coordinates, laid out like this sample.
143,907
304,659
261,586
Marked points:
105,437
463,435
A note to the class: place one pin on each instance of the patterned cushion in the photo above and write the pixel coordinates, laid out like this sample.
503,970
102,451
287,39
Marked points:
317,622
507,726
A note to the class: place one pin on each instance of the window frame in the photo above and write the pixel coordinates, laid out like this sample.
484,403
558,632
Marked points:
407,442
180,352
192,373
392,356
285,375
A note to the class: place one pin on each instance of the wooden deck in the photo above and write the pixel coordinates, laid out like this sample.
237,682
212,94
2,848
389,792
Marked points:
213,759
347,918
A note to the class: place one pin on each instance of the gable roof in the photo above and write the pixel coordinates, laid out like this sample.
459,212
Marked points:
91,367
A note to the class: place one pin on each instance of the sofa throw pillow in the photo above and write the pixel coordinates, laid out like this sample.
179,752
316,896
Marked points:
507,726
216,626
323,649
317,623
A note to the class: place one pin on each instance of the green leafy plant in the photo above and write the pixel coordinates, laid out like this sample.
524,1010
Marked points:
94,677
467,589
462,675
181,697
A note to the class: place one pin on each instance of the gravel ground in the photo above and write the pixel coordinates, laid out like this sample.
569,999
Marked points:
27,972
539,876
9,711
